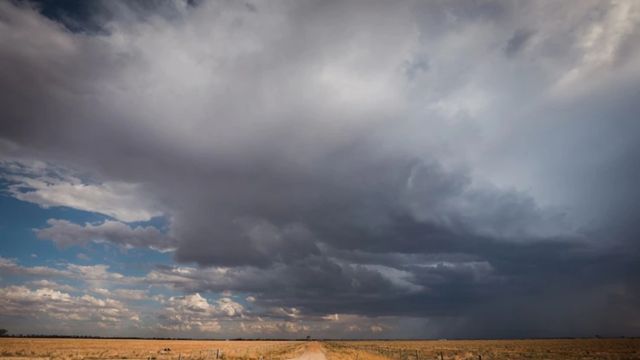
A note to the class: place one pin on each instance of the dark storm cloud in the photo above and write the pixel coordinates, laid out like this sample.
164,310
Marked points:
517,42
285,143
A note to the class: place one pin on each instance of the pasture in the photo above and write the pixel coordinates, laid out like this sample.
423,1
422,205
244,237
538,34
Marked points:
94,349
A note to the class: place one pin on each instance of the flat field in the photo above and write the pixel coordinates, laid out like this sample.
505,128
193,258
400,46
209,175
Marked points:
76,349
565,349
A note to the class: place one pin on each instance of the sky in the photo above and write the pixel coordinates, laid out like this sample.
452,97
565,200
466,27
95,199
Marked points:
342,169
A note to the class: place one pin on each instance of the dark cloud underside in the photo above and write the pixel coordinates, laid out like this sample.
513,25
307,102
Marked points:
467,163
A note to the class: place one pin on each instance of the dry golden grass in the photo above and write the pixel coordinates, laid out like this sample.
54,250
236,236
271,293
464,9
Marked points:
76,349
566,349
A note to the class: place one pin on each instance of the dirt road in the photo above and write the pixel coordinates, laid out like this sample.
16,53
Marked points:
313,351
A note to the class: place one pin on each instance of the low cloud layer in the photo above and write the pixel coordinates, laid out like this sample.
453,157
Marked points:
423,169
65,233
46,302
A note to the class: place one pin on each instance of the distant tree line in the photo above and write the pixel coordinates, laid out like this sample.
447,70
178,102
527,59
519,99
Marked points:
5,333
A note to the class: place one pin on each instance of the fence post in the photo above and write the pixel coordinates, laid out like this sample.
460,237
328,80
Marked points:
417,356
441,357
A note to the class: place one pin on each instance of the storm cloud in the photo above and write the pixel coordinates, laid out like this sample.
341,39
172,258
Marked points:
463,168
